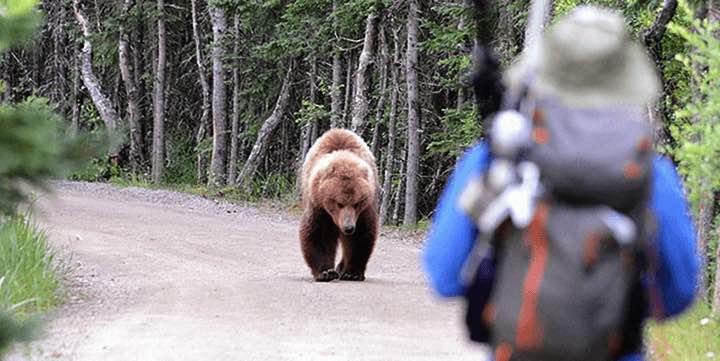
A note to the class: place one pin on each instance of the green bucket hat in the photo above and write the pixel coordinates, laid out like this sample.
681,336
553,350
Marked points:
588,60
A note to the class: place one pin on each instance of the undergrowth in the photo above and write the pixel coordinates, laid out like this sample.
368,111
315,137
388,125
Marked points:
29,272
693,337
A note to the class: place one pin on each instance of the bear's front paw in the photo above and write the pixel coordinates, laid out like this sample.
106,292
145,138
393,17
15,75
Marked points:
327,275
349,276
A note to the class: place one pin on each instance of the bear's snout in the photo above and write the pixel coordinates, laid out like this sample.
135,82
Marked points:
348,229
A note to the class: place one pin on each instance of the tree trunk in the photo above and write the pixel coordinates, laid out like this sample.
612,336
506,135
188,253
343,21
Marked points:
103,104
413,137
380,108
716,295
263,137
656,32
218,175
306,131
140,65
506,42
463,48
399,191
363,76
232,163
336,91
653,41
713,16
390,152
158,147
204,126
704,229
133,102
348,90
7,91
75,96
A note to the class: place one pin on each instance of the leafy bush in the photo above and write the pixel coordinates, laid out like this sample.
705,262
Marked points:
181,165
461,129
34,147
698,132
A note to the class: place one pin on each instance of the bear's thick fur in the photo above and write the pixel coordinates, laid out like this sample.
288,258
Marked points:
339,191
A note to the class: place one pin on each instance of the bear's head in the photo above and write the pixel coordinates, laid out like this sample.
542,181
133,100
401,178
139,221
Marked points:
344,187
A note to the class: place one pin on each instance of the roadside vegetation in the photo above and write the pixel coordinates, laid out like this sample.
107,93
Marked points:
35,145
694,336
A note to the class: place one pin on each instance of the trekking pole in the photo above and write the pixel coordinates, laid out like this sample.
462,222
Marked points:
539,11
510,185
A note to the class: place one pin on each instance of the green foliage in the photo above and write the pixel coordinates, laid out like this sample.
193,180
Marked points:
274,185
133,180
28,268
181,164
461,130
697,131
448,42
18,19
34,147
98,169
311,113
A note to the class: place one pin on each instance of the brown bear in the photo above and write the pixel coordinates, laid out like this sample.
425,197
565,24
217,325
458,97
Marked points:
339,190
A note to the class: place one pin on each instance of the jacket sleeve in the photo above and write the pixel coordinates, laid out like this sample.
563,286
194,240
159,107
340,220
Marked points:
452,232
677,262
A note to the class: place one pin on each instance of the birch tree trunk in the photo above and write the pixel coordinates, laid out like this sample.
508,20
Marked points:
204,126
348,90
506,41
336,91
158,148
218,175
363,76
103,104
380,109
75,96
127,72
306,131
399,191
413,138
232,163
390,151
306,136
263,137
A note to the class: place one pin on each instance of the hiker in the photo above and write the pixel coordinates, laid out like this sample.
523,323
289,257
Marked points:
588,72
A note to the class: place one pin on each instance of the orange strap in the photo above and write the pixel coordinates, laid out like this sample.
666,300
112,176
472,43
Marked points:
529,330
503,352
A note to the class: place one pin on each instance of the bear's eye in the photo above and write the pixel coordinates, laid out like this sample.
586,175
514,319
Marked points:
339,205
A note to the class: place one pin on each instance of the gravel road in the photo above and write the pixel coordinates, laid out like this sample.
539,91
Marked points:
159,275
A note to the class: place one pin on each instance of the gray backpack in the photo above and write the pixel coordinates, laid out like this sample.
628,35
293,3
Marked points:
565,284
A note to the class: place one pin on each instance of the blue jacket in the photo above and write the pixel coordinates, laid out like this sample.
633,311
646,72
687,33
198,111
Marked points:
452,235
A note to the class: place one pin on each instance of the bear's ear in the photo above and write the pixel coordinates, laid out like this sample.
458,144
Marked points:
331,170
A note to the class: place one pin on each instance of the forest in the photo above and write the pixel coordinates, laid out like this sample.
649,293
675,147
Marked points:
230,94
